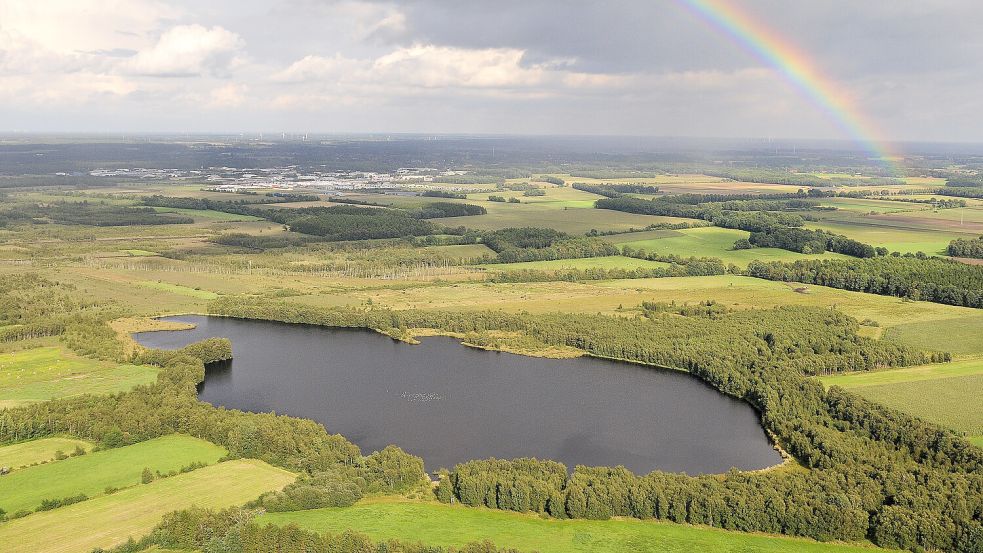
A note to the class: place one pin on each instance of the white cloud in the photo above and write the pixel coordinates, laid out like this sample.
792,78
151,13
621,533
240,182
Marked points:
228,96
188,51
432,66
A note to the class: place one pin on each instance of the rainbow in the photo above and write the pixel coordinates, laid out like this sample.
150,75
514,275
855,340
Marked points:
771,48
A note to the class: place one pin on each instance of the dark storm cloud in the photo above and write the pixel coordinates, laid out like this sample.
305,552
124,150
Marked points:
848,36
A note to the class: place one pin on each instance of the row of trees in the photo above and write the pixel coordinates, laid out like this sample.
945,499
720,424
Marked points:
434,210
812,241
919,278
88,213
514,245
614,190
962,247
874,473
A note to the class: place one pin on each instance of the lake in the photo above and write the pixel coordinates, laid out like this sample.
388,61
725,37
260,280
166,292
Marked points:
449,403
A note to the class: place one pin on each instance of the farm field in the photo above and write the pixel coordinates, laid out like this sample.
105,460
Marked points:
93,473
578,220
110,520
38,451
445,525
960,335
712,242
44,373
946,394
910,228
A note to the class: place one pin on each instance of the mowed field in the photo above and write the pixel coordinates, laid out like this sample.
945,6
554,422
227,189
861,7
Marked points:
445,525
901,226
946,394
38,451
110,520
44,373
93,473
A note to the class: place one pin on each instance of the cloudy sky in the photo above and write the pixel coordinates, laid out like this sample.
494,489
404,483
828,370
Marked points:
631,67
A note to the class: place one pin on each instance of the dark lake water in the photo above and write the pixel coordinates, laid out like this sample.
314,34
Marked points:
448,403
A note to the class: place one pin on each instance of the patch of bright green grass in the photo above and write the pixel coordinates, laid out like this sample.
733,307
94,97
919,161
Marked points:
717,242
445,525
977,441
107,521
91,474
951,402
963,335
38,451
964,367
50,372
179,289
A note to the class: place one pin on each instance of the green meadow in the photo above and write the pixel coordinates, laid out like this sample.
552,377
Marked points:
109,520
43,373
709,242
93,473
39,451
445,525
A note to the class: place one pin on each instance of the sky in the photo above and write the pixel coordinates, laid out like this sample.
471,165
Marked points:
620,67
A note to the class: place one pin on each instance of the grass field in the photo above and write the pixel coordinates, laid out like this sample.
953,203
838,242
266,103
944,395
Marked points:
710,242
38,451
961,335
91,474
913,230
109,520
574,220
946,394
44,373
951,402
737,292
444,525
206,215
607,262
964,367
179,289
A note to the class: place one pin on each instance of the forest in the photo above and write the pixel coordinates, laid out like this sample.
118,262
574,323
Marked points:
962,247
907,276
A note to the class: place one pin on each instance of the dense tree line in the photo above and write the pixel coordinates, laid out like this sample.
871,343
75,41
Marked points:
434,210
962,247
514,245
444,194
959,192
874,473
773,176
352,223
89,213
964,182
810,241
920,278
237,530
753,221
614,190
